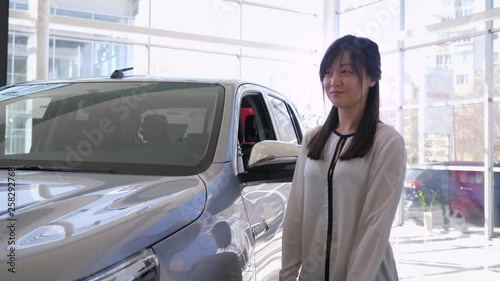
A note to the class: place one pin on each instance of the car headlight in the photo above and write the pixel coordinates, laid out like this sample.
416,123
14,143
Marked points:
141,267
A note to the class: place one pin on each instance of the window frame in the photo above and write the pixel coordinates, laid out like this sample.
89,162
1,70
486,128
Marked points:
291,115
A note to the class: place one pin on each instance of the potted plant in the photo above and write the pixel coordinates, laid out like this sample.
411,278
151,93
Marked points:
419,193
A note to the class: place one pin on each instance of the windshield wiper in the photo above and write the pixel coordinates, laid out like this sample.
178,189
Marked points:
58,169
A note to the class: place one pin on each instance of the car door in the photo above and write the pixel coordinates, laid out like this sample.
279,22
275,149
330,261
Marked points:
265,202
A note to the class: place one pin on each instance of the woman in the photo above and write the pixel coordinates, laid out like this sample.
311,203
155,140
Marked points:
348,179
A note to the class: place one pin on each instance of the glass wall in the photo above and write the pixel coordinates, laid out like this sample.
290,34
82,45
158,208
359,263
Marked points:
70,58
217,39
390,82
381,23
17,57
446,84
215,18
443,82
440,64
496,127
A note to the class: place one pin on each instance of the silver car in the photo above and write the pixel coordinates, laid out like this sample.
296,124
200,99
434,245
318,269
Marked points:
144,178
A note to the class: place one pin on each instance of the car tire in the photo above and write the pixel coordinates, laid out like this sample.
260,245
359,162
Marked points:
459,219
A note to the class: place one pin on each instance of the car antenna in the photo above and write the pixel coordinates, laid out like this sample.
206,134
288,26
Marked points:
118,74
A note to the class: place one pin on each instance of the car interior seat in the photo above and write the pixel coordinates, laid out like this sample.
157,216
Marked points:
251,134
154,128
250,137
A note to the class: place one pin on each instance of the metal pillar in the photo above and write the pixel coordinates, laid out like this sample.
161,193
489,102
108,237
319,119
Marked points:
400,115
488,132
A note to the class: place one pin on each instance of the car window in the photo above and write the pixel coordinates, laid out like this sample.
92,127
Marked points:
285,124
149,128
469,177
254,124
412,174
476,177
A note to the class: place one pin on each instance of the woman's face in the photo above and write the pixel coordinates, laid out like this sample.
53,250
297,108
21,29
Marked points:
342,85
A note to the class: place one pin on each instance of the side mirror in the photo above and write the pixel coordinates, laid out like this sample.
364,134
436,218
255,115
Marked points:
271,161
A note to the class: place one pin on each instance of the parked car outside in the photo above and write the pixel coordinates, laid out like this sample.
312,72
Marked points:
144,178
459,194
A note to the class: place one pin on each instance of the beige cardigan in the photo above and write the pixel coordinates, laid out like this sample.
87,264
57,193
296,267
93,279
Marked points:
365,195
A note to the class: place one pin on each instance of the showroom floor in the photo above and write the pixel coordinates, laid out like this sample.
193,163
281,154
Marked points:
444,256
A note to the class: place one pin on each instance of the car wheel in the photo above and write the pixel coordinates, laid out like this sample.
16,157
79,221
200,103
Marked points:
459,219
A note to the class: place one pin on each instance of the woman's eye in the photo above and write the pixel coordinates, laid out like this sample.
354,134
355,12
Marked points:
344,71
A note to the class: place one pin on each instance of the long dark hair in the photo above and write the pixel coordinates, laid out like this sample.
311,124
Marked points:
364,55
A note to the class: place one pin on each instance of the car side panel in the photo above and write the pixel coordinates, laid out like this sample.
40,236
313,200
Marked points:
218,245
265,204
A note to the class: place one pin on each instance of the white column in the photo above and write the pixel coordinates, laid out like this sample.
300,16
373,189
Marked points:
42,39
400,114
330,22
31,44
488,133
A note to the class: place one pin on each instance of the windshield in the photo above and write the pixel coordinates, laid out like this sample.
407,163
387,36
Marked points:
160,128
412,174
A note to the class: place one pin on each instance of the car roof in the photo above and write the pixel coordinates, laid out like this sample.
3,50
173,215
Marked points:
227,82
143,78
459,163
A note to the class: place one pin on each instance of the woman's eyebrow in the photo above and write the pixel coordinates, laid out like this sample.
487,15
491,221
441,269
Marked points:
345,64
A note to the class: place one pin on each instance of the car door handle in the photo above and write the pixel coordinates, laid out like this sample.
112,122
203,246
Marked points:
259,228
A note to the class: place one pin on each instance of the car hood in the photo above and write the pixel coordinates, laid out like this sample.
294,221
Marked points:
66,226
